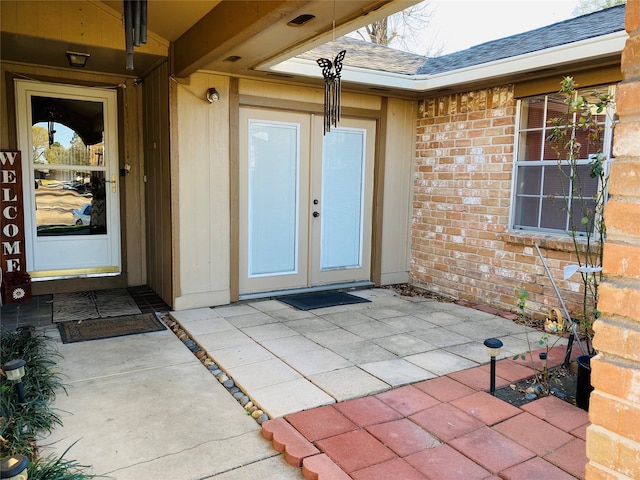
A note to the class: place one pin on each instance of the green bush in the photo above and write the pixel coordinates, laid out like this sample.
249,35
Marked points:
52,468
21,424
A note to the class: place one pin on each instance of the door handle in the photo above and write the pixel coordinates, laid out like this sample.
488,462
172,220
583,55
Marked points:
316,214
112,182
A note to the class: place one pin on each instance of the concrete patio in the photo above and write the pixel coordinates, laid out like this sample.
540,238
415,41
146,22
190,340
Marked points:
145,407
288,360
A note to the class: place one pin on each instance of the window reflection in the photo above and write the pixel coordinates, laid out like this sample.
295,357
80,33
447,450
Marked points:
70,203
67,141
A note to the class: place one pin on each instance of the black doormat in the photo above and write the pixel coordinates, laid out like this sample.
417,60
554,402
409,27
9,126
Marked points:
309,301
95,329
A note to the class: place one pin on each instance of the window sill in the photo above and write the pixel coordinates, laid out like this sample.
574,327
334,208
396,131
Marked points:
560,243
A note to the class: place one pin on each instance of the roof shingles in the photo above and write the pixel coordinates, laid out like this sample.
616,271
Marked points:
370,56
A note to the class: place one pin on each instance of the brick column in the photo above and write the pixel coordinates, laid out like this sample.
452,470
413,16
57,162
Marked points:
613,439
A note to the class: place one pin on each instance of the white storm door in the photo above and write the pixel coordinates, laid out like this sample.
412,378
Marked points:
68,138
342,192
274,192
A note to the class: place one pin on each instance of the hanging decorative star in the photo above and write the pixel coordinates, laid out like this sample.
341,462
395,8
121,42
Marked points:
331,74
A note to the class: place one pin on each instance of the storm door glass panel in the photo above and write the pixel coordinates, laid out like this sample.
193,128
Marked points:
67,154
273,198
343,162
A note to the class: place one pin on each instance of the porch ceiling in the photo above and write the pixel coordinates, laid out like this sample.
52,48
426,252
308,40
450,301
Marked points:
227,36
237,36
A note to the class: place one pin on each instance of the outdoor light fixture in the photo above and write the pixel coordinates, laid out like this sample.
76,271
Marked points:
77,59
14,467
212,95
493,350
14,369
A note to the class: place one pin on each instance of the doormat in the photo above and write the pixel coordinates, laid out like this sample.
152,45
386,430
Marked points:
98,328
93,304
309,301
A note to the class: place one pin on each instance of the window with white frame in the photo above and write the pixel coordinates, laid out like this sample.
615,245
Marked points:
549,194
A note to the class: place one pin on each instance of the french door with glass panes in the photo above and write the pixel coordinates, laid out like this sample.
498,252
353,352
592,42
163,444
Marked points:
68,138
305,201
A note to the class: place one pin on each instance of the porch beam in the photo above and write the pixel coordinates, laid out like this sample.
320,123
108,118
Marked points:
224,27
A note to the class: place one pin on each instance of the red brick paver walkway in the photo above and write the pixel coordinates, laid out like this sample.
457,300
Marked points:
438,429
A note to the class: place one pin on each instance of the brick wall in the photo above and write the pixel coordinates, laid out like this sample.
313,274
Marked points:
462,193
613,439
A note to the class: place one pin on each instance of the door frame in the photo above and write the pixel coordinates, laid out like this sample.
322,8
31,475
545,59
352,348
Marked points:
111,263
298,277
369,123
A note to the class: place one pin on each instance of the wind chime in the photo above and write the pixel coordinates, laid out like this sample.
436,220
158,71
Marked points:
331,73
51,125
135,26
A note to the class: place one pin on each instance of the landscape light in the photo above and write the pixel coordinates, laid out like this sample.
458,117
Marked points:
14,370
14,467
493,350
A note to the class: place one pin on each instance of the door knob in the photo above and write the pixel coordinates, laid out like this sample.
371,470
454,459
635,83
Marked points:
316,214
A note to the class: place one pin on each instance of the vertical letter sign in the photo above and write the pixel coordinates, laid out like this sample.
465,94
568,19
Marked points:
16,283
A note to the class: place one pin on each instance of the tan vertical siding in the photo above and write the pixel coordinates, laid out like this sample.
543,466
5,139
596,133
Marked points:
158,182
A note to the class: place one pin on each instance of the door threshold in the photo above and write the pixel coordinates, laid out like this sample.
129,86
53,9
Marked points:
321,288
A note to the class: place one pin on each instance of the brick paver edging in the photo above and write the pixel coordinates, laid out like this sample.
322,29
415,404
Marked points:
542,439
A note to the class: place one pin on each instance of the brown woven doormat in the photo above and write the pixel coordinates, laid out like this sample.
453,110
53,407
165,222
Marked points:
95,329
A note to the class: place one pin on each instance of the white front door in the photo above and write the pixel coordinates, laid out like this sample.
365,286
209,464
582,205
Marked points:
305,201
68,138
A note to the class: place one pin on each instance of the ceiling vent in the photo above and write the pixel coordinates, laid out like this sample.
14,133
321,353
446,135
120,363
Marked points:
301,20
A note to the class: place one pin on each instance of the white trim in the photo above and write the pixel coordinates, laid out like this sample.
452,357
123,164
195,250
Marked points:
514,163
589,49
66,247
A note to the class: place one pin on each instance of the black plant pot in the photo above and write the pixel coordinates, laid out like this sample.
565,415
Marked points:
583,386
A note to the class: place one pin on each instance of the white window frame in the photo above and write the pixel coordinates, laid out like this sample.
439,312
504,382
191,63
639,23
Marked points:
546,130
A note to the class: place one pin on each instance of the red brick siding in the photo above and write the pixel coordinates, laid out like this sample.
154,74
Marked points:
613,441
461,246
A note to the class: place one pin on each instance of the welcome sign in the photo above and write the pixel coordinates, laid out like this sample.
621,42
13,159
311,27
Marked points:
16,283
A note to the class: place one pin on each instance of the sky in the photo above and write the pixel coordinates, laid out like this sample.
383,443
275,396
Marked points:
459,24
63,134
